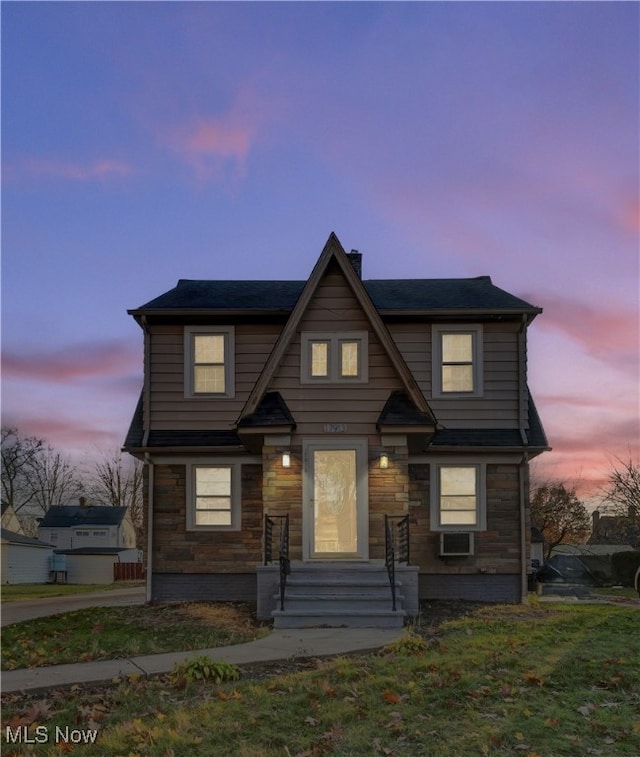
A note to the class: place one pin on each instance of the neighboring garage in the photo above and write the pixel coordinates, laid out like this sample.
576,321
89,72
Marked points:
24,560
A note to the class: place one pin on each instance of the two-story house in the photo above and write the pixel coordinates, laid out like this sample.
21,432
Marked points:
86,526
372,433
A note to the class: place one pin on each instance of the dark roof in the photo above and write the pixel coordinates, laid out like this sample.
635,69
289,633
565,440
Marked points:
272,411
136,429
189,438
14,538
495,437
387,294
399,410
89,515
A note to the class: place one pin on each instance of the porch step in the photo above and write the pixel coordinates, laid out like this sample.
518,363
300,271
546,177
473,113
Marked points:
335,595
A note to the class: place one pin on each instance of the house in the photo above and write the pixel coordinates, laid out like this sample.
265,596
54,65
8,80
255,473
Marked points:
374,434
83,525
616,529
24,560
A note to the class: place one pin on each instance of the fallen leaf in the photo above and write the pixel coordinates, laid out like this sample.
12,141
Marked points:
390,697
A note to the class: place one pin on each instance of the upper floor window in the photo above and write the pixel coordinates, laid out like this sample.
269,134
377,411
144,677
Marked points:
209,361
334,357
457,360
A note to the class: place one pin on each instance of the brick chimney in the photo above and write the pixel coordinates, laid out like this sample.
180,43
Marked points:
355,258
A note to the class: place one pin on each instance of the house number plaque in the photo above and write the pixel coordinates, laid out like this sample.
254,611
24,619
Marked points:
335,428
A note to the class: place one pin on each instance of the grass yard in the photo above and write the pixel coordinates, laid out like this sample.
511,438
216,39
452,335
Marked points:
539,681
103,633
19,592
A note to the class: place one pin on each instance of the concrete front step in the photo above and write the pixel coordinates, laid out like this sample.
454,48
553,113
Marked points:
337,595
352,619
323,603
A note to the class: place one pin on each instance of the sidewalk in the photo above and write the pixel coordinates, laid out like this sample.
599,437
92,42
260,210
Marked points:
279,645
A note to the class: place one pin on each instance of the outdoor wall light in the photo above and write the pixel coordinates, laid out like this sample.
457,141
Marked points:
384,461
286,459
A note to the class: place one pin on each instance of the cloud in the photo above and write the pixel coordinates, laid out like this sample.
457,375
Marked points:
102,168
72,363
218,146
603,331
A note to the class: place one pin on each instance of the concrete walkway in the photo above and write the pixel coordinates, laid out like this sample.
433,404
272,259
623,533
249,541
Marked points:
28,609
279,645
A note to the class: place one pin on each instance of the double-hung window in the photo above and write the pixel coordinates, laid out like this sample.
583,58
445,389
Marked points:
458,497
213,497
209,361
457,361
337,357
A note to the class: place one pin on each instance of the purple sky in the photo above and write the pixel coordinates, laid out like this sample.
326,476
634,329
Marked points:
147,142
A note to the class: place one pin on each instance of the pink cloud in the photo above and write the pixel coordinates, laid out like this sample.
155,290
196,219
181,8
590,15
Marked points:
213,146
72,363
602,331
218,146
97,169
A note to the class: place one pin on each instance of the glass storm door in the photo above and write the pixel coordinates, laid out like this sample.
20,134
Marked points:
335,501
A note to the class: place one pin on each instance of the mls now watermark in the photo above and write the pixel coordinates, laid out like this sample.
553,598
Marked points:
42,734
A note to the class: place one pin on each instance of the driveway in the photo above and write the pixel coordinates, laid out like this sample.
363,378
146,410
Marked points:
15,612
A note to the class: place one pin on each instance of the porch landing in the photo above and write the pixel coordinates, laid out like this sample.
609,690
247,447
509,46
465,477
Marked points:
338,594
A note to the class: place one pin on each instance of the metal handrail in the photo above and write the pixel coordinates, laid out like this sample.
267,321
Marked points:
283,557
390,558
402,538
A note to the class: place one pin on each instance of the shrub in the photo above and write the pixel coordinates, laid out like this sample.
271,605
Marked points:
625,565
203,669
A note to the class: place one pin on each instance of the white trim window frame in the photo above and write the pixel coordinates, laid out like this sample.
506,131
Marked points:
213,491
334,357
209,361
457,360
458,496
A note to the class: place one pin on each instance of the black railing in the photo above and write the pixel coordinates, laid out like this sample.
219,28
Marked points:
396,548
283,556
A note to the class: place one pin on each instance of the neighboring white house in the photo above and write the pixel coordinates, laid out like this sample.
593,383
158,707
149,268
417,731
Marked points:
24,560
81,526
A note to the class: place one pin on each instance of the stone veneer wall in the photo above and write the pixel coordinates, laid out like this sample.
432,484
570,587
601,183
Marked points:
388,492
493,572
177,550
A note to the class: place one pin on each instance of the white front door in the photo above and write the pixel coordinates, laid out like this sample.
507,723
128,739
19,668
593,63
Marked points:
336,500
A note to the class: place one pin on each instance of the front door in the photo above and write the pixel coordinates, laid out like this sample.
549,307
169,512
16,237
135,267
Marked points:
335,494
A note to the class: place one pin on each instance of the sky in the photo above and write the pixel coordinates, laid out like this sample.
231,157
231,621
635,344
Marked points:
145,142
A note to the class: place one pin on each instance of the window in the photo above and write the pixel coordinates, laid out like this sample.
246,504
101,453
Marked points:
457,361
213,497
458,497
209,361
334,357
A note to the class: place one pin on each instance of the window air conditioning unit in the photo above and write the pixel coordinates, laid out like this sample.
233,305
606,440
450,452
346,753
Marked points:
456,543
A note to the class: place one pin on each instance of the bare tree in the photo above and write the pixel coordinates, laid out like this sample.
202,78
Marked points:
117,481
560,516
34,477
18,456
53,479
622,496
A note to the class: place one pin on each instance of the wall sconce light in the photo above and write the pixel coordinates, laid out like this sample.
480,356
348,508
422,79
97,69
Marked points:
384,461
286,459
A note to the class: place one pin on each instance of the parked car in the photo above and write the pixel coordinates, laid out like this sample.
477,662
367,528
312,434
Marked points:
566,569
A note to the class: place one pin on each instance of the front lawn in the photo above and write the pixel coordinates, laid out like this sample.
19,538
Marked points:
536,681
18,592
102,633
